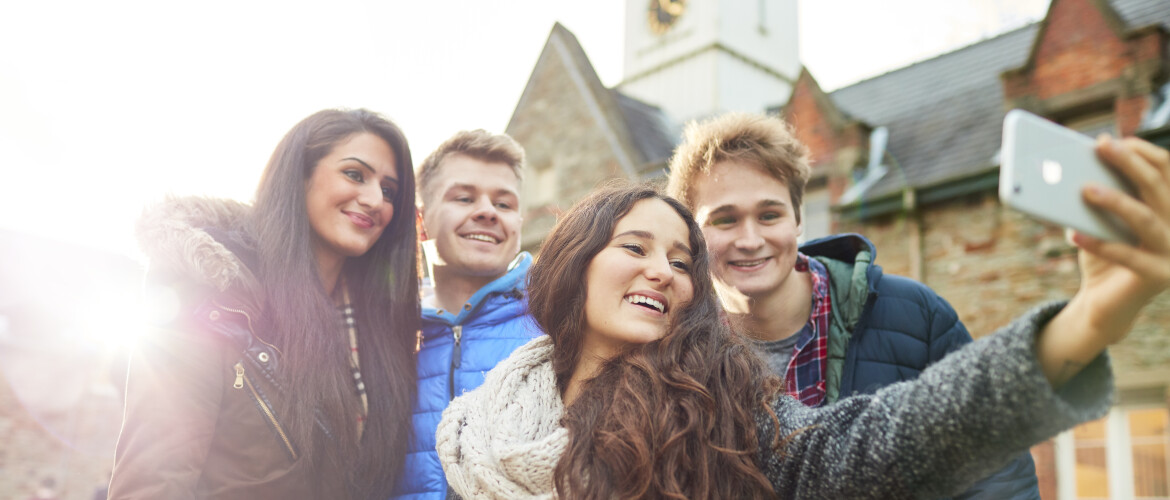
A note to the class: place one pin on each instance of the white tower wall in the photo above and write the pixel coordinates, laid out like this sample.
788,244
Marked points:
718,55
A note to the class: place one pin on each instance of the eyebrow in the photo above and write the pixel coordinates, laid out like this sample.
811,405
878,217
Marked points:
371,169
649,236
473,187
364,164
770,202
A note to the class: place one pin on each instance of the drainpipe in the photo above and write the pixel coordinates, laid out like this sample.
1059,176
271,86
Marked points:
914,233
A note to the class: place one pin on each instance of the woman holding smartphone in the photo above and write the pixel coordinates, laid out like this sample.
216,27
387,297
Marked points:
288,370
641,390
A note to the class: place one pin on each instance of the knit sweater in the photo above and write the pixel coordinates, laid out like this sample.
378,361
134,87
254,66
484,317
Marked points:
962,418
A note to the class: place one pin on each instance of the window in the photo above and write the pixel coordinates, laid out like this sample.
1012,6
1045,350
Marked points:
1148,438
1123,455
1091,473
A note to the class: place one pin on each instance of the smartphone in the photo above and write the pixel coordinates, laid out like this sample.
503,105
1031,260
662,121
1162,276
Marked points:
1045,166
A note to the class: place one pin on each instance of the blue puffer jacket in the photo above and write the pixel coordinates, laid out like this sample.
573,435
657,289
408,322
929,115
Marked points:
457,351
886,329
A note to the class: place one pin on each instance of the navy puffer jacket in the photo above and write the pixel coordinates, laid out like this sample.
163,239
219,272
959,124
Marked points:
885,329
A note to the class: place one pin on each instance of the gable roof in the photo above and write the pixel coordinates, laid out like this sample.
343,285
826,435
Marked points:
601,104
1141,13
652,132
944,114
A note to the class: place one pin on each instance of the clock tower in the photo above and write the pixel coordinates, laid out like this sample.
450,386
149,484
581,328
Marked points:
694,58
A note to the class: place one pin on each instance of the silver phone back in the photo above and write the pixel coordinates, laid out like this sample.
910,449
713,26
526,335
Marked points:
1044,166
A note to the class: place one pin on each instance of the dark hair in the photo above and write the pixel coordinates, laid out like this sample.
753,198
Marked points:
673,418
383,285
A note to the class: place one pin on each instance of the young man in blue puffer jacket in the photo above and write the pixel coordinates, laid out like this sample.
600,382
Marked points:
822,315
476,313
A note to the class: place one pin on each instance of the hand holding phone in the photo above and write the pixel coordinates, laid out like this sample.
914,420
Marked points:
1045,166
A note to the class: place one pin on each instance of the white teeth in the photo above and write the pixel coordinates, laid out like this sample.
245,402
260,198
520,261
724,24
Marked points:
639,299
748,263
481,237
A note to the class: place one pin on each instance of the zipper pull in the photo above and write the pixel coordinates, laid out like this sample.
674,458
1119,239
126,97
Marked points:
239,376
457,351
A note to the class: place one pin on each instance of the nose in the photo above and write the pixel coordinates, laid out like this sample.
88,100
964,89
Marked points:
370,196
485,210
659,271
749,238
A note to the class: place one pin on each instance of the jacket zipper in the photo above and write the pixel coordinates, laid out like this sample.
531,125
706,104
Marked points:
241,380
456,354
250,328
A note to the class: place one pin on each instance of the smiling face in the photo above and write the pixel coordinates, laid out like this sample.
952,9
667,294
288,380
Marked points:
349,197
750,225
638,280
473,215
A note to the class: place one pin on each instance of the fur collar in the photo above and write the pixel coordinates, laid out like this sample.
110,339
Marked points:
503,439
173,236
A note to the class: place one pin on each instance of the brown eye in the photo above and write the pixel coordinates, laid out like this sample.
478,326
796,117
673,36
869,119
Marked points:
635,248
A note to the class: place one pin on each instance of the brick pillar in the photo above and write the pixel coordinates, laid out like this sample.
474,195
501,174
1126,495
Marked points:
1044,454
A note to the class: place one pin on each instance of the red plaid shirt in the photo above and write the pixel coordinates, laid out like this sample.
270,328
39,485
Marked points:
805,377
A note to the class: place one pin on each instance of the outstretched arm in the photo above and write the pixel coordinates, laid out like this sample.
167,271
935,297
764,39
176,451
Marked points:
963,418
1118,280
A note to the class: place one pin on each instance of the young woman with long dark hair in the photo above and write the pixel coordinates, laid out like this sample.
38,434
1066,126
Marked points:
642,390
288,370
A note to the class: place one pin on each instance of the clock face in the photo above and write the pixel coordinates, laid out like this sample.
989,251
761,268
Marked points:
663,14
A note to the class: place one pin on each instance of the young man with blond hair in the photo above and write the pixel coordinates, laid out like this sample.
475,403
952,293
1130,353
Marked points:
476,313
822,315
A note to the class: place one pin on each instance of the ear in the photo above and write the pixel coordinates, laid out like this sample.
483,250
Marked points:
420,224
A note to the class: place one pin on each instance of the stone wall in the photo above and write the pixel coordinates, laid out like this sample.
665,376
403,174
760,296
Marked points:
568,151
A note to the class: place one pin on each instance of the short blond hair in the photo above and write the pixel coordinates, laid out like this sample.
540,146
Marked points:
764,141
478,144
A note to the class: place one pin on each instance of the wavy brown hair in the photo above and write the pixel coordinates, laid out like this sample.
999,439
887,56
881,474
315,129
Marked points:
673,418
383,285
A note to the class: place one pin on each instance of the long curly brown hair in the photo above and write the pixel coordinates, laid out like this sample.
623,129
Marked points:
673,418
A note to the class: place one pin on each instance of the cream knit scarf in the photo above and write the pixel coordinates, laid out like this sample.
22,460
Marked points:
503,439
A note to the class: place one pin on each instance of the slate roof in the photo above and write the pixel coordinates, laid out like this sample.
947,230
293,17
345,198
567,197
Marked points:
651,131
1139,13
944,114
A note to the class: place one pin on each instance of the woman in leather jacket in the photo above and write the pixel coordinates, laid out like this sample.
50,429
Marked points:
285,367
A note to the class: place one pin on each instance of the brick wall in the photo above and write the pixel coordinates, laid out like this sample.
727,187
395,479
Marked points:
1085,58
836,144
993,264
1077,49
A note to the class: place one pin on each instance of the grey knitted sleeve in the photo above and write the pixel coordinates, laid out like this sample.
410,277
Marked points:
963,418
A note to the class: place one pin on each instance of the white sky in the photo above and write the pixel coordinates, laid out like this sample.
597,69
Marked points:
106,106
